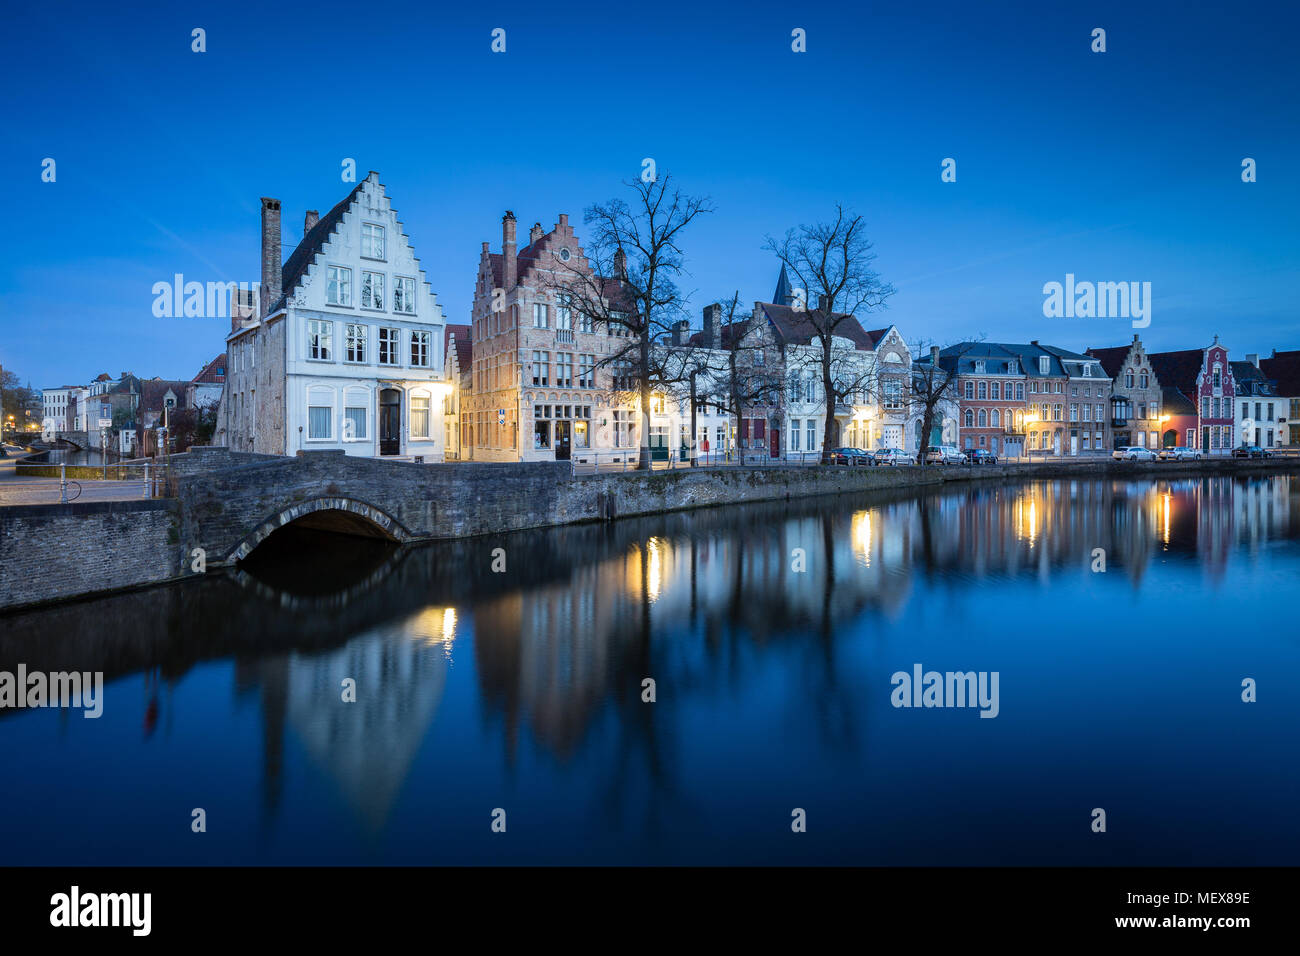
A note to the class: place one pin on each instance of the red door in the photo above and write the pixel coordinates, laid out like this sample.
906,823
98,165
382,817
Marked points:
775,444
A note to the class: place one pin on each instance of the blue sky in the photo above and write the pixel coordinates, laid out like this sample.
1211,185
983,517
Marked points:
1116,166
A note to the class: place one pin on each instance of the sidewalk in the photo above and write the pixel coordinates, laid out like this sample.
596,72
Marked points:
45,491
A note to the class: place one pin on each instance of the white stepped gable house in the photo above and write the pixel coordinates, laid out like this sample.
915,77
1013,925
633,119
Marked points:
345,348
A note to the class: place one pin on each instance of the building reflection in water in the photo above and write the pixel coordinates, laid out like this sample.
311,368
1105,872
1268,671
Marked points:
560,645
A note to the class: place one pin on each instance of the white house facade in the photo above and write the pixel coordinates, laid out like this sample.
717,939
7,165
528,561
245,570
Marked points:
345,351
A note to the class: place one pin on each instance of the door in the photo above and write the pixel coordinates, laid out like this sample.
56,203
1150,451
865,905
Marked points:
563,430
774,444
1074,443
1205,440
390,422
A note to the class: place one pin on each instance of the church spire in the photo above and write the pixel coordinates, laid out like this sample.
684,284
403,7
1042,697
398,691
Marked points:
783,295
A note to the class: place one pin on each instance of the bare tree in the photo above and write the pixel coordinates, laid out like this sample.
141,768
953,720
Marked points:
934,382
631,288
736,370
832,261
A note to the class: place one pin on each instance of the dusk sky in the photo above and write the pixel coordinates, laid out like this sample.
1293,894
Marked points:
1122,166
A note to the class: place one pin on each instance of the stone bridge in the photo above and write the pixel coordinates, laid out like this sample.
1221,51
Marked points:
228,507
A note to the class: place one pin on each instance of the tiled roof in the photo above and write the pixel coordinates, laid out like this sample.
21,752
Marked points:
1112,359
1178,369
1284,368
154,390
1174,402
214,373
796,328
459,336
312,243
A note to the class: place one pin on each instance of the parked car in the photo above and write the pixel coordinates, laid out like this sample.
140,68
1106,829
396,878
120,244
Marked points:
1251,451
850,456
1180,453
1133,453
944,455
893,456
981,456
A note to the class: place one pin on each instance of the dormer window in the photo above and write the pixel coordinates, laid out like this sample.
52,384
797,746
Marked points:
372,241
1044,365
979,367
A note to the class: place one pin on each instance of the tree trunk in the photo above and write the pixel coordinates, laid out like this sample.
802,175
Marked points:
694,430
927,422
828,435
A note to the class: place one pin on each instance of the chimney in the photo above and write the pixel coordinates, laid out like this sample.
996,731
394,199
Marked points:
1253,358
713,326
681,332
271,262
510,263
309,220
564,220
934,355
535,233
1033,341
620,263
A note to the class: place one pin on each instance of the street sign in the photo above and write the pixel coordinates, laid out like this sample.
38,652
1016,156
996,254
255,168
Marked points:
106,423
501,416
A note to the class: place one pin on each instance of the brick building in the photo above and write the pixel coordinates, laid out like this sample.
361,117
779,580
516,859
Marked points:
1137,399
1204,377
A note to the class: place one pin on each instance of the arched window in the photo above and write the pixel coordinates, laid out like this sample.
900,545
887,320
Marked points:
970,418
984,418
995,418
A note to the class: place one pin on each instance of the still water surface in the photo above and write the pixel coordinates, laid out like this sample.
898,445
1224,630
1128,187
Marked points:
522,691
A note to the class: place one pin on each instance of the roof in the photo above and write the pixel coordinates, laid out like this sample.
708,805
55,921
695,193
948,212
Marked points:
797,328
1178,369
214,373
783,295
1250,380
1284,369
1174,402
1112,359
154,390
459,335
312,244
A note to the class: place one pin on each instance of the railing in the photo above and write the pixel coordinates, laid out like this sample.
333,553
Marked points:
564,336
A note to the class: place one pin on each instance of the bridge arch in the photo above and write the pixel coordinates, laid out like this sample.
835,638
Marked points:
335,513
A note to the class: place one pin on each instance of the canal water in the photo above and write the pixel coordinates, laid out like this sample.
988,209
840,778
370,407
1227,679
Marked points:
1120,619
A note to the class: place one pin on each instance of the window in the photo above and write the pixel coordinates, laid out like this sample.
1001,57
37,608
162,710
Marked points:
995,418
983,418
1097,411
355,416
320,333
419,415
389,343
586,371
894,393
1128,378
372,241
338,286
1205,407
983,390
541,368
794,434
1020,391
356,338
979,369
622,428
995,391
1087,412
320,414
970,390
970,418
420,349
404,295
812,434
1144,380
1074,412
372,290
564,369
1057,412
1218,378
584,322
564,313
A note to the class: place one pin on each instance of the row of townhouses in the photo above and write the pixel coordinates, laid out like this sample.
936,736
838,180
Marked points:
123,414
344,346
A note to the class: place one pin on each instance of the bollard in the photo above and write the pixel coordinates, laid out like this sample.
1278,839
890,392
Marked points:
144,492
63,483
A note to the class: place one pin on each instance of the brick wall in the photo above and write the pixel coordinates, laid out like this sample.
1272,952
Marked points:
52,552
